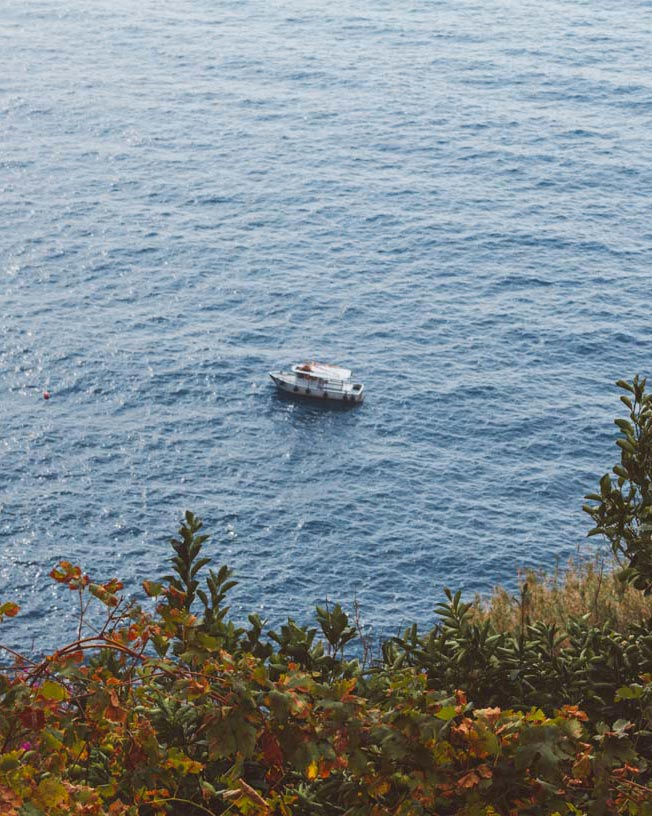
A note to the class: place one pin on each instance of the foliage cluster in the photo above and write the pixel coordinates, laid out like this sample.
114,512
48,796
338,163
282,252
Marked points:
585,586
622,510
181,710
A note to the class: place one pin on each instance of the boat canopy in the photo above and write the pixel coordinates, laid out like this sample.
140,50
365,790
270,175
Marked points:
323,371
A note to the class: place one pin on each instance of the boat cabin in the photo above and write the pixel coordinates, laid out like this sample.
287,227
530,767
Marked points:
322,372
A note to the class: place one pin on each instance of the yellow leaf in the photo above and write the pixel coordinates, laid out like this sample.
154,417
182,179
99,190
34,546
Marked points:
381,788
312,770
51,793
181,762
53,691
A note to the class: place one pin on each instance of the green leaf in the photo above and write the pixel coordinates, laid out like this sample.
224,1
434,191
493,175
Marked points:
446,713
625,445
625,426
10,761
152,588
53,691
30,809
540,751
633,692
621,727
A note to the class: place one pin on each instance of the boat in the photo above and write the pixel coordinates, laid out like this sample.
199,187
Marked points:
319,381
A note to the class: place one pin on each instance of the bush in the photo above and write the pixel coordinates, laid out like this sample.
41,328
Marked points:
177,712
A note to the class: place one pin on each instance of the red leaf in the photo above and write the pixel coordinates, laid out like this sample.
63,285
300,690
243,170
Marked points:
272,753
32,718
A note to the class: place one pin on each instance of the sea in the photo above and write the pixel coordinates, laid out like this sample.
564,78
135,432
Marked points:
450,197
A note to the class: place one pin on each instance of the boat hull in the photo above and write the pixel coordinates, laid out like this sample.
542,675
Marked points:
343,393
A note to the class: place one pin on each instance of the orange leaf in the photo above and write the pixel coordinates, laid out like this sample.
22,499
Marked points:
490,714
9,802
573,712
460,697
484,771
582,768
469,780
9,609
114,710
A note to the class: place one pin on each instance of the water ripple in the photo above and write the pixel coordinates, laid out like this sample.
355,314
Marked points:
451,198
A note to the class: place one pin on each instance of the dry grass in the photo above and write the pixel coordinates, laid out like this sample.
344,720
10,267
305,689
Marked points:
586,587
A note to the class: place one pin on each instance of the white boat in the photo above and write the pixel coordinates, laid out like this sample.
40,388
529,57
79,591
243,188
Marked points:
319,381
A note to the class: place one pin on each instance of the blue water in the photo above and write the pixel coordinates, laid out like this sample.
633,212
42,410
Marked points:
451,198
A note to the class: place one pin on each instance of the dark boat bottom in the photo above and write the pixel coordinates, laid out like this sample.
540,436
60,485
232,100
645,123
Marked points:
314,400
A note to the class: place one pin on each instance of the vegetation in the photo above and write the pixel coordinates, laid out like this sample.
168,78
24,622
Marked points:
586,586
498,710
623,513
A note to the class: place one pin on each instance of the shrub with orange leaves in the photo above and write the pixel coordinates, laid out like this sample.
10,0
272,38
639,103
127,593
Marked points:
181,711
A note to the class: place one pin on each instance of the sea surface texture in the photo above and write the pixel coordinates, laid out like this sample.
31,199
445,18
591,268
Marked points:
450,197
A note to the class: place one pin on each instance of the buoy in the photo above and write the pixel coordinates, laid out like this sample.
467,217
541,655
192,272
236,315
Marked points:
46,395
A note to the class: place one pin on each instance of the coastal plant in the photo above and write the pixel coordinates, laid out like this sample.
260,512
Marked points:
585,586
170,706
152,714
622,510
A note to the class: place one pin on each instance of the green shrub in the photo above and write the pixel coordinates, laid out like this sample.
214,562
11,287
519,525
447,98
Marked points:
185,713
